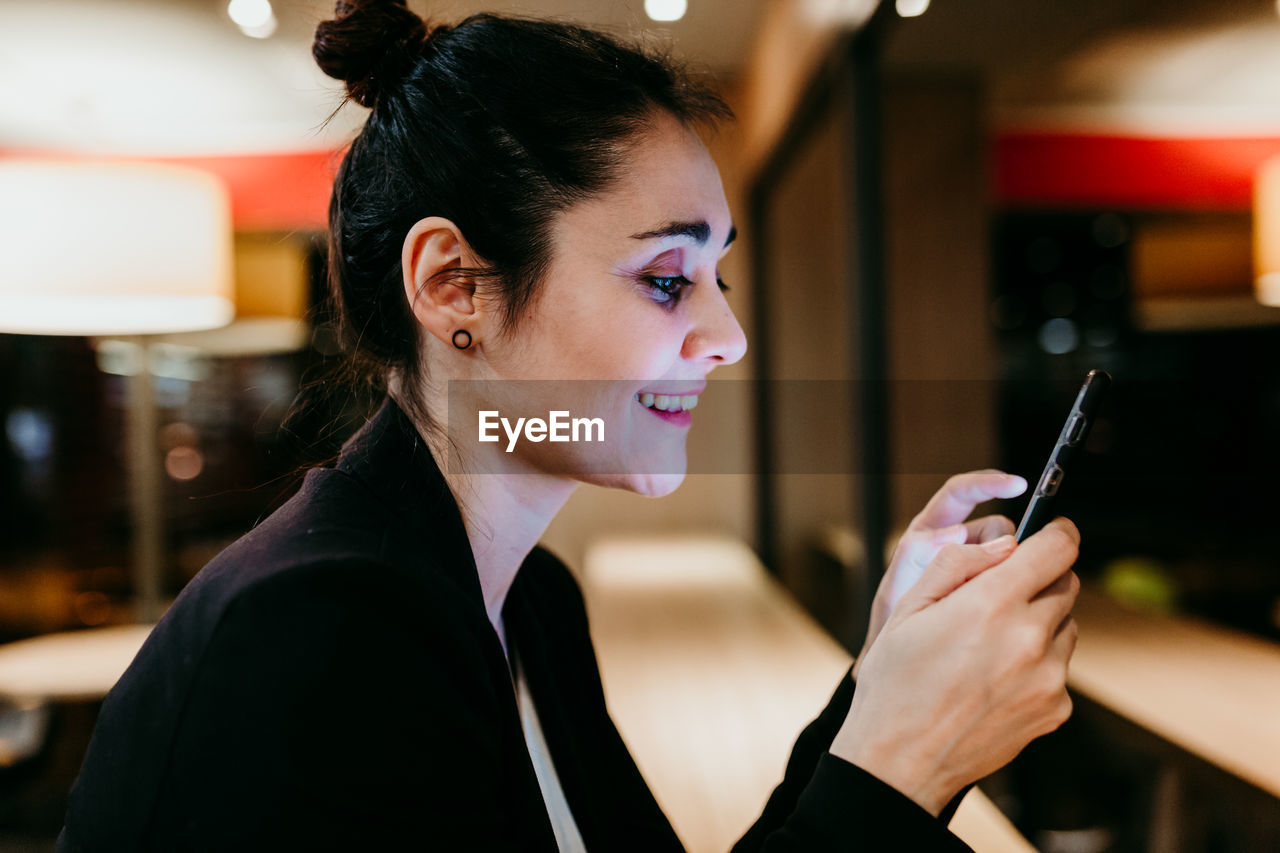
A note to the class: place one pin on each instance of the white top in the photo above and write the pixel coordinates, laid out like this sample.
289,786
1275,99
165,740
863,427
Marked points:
567,837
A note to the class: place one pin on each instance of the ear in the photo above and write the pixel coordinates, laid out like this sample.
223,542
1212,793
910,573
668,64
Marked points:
440,304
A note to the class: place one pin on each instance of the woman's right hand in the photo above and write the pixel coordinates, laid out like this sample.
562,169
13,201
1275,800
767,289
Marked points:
970,668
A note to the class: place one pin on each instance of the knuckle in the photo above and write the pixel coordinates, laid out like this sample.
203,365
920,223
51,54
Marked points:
1028,646
1053,721
1064,710
1072,633
1053,686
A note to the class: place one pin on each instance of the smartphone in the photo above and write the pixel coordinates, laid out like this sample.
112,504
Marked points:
1074,432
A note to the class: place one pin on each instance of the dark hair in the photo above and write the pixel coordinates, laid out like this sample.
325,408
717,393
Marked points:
497,124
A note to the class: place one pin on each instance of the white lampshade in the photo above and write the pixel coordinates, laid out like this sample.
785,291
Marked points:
1266,233
89,248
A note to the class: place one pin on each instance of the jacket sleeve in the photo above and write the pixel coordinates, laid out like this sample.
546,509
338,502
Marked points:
329,712
826,803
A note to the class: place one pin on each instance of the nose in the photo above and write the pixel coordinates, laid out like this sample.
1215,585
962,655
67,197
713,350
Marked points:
715,334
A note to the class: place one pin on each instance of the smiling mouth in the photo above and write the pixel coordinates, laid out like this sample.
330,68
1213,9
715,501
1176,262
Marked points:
668,402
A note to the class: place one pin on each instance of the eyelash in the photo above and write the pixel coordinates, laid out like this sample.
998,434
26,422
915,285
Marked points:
672,287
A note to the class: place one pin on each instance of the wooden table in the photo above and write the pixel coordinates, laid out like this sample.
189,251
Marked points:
1208,690
71,666
711,671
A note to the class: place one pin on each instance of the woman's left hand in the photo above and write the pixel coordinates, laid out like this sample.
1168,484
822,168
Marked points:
941,522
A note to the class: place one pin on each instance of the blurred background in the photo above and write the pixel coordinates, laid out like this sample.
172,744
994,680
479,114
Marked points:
950,211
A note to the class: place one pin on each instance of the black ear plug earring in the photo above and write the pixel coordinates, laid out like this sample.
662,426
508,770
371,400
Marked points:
466,342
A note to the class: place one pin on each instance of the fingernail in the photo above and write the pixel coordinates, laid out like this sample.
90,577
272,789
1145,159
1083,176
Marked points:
1019,481
995,546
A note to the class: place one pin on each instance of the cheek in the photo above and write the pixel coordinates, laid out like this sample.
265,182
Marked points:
628,339
630,352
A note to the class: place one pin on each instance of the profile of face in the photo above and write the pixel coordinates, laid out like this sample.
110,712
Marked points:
631,311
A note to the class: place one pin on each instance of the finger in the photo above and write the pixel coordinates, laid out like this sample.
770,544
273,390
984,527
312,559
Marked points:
1052,606
1040,560
954,566
959,495
1063,645
956,534
987,528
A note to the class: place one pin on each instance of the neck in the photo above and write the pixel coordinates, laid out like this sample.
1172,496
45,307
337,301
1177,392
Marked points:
505,505
505,514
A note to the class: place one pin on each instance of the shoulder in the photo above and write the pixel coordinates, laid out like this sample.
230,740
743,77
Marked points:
334,543
307,596
336,576
331,515
352,623
329,695
359,628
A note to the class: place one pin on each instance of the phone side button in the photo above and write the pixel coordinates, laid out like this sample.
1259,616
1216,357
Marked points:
1052,480
1076,429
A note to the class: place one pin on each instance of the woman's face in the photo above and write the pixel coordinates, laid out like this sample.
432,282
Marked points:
631,306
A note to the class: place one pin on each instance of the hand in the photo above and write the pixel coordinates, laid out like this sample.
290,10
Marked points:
970,667
941,522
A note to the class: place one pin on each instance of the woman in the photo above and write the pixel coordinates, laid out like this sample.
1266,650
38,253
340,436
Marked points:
389,659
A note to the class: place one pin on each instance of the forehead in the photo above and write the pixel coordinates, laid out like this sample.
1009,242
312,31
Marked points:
667,175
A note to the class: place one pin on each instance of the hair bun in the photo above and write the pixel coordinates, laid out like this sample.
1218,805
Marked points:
369,45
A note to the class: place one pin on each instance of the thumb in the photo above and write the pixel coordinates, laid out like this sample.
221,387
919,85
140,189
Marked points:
952,568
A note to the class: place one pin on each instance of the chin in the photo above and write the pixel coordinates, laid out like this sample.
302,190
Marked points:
653,484
655,480
657,485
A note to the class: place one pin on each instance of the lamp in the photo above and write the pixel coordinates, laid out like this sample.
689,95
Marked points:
91,248
1266,233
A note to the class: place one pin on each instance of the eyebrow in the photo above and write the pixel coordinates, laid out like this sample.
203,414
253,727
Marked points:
699,232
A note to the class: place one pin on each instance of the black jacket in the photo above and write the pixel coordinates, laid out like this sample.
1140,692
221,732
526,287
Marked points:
331,682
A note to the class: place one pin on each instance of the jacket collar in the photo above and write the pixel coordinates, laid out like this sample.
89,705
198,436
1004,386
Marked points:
389,457
546,627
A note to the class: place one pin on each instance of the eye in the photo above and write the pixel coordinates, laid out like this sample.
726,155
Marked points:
720,282
667,288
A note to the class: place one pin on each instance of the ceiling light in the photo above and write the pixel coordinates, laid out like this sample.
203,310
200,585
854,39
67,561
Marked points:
255,18
666,10
913,8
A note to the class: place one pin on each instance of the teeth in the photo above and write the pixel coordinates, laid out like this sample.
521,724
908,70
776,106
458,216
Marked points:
668,402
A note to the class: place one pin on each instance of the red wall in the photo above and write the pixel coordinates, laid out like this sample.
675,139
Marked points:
284,192
269,192
1066,170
